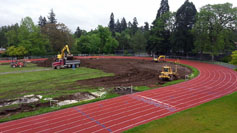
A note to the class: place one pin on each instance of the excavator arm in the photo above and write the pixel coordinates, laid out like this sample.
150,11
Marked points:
62,55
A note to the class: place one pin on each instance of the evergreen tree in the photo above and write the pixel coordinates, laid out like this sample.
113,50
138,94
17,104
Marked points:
158,42
44,21
112,24
134,25
78,32
118,26
146,27
123,24
52,18
185,19
129,25
40,21
164,8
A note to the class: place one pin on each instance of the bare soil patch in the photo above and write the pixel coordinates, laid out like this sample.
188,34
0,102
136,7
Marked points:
128,72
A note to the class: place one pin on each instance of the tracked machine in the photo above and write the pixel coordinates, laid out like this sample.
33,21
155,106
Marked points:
65,60
161,58
167,73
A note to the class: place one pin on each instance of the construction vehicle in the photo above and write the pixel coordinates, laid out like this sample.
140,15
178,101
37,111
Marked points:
161,58
18,63
167,73
65,60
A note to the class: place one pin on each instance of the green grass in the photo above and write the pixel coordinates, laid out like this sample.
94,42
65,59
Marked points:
173,82
142,88
51,83
219,115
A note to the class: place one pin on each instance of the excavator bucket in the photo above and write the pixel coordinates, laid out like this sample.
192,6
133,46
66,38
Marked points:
69,57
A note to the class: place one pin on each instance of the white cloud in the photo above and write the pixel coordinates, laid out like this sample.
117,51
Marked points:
88,14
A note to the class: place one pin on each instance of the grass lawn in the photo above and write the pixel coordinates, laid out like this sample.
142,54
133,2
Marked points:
50,83
218,116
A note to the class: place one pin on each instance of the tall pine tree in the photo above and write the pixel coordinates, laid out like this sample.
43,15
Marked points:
112,24
118,26
78,32
158,42
185,19
123,24
51,17
164,8
134,25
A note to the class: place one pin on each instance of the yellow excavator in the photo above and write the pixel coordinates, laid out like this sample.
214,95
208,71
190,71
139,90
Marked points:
68,55
168,74
161,58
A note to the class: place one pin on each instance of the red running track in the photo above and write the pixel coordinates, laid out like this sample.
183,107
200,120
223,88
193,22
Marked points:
125,112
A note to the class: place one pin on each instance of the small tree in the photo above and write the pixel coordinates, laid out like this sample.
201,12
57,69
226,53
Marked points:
16,51
234,57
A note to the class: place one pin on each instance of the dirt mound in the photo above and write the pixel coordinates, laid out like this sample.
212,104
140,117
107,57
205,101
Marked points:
46,63
127,72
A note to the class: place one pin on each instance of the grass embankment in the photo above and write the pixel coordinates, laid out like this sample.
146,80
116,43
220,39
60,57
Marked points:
219,115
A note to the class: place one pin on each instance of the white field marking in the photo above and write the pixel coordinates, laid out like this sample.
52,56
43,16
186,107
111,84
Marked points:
157,101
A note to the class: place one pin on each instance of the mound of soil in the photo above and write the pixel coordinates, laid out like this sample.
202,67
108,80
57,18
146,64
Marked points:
127,72
46,63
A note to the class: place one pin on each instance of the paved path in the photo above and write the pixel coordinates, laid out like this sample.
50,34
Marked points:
125,112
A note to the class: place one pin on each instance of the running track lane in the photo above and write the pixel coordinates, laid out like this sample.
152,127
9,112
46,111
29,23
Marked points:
125,112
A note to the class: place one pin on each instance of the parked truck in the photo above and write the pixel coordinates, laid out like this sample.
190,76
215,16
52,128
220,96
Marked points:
65,60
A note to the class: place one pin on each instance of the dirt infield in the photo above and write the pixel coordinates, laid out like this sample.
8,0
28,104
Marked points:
127,72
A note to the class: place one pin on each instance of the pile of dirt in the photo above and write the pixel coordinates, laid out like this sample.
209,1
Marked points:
46,63
128,72
26,107
77,96
23,108
123,90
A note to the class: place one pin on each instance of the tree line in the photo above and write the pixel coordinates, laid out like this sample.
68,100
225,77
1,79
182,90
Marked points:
212,31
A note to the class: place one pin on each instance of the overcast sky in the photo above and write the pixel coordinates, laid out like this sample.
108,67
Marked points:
88,14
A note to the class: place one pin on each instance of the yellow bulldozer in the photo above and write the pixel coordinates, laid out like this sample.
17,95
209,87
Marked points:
167,73
161,58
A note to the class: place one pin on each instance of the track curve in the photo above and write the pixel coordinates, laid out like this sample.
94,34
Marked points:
125,112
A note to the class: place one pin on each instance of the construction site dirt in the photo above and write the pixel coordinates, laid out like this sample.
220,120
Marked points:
128,72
